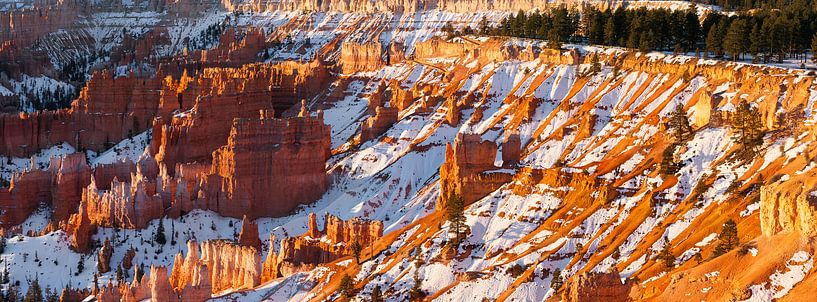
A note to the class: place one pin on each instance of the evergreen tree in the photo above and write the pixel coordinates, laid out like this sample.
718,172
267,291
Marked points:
159,236
610,32
417,293
758,43
668,164
13,293
814,48
455,213
80,266
120,274
727,239
3,243
51,295
356,248
749,128
484,27
679,124
692,29
554,41
556,280
377,295
666,256
736,40
347,286
714,40
34,293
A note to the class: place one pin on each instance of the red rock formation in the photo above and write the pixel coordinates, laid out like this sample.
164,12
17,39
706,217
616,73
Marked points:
269,269
232,93
466,171
236,53
72,175
59,186
27,25
357,57
400,98
452,115
263,158
249,234
104,257
23,196
596,287
305,252
129,205
376,125
222,265
511,149
80,227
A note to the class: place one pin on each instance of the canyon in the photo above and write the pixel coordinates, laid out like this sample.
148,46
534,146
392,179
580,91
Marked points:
311,151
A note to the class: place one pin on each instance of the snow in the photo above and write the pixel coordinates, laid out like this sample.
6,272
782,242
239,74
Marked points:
11,165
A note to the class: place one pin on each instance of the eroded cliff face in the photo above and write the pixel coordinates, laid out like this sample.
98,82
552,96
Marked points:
469,171
316,247
356,57
788,205
596,287
60,185
221,265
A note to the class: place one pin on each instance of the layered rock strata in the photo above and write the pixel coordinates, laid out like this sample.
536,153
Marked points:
469,171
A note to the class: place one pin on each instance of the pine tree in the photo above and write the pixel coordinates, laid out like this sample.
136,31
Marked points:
668,164
714,40
610,33
455,213
727,239
377,295
347,286
759,43
484,27
356,248
736,40
417,293
159,237
749,127
34,293
556,280
120,274
666,256
554,41
51,295
679,123
13,293
80,266
814,48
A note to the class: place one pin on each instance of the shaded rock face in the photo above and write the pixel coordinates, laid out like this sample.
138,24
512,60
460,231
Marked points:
226,94
789,205
60,186
249,234
315,247
263,158
465,171
27,25
104,257
596,287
